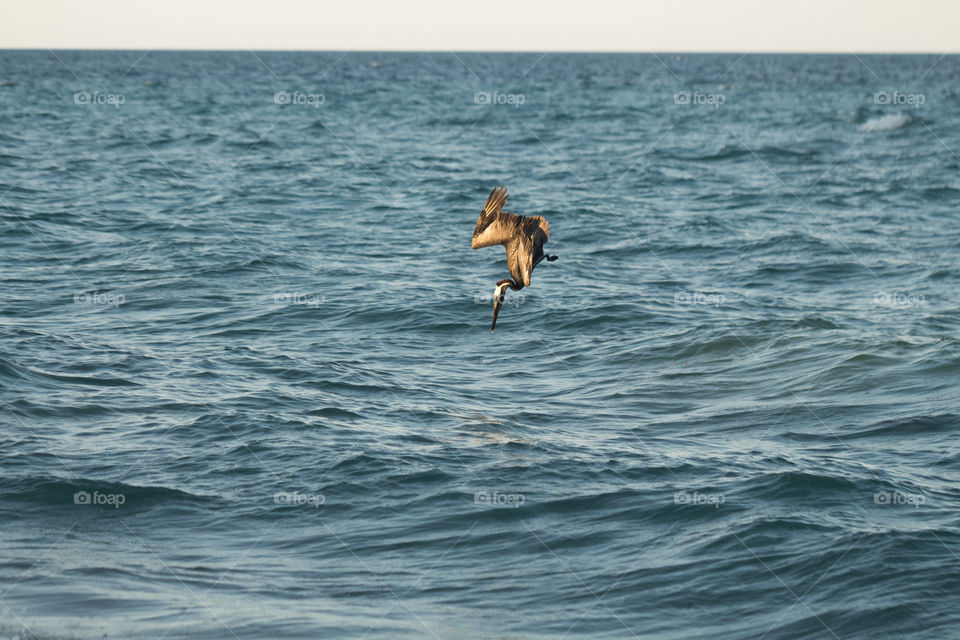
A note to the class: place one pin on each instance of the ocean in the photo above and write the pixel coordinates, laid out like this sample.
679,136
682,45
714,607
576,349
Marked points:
249,388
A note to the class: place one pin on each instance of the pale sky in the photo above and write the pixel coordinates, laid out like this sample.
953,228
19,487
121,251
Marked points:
486,25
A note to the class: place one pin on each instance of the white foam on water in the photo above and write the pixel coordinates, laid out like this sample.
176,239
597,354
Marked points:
887,122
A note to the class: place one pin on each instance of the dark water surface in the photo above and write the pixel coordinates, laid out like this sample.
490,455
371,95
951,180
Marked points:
249,390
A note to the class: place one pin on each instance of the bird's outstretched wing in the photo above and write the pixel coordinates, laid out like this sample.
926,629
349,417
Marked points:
495,201
494,226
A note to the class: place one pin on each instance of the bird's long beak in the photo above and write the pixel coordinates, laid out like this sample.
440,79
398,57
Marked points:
498,294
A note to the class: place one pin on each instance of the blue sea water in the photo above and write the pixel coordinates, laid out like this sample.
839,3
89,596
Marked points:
249,388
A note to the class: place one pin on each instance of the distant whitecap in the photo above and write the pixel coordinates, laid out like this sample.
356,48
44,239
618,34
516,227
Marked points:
887,122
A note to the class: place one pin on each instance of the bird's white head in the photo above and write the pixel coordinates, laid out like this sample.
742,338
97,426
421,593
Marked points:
498,293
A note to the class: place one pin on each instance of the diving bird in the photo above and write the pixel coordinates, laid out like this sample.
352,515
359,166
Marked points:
522,236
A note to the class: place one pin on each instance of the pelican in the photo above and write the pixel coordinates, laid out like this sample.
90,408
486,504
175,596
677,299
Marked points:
522,236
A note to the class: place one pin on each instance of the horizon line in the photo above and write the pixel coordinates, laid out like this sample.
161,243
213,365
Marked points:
528,51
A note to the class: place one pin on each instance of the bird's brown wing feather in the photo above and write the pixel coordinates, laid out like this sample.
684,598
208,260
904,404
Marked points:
495,201
491,228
